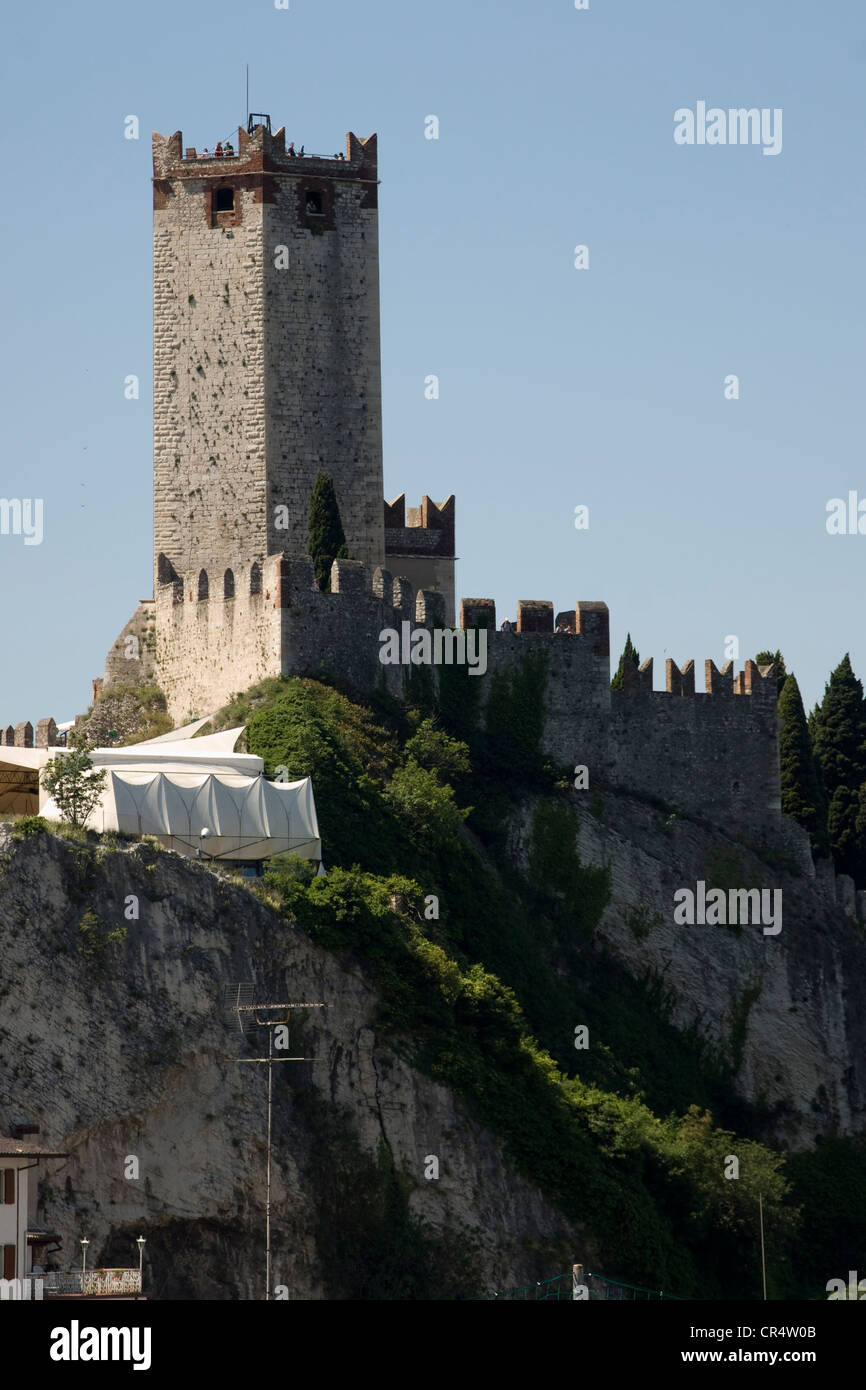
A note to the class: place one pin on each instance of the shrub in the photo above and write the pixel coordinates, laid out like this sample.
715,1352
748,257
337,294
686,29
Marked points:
25,826
427,806
436,751
95,939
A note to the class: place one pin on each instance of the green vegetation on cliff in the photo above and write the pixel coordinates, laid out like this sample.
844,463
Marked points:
485,970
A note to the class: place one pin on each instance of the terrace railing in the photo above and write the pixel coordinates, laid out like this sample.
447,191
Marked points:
94,1282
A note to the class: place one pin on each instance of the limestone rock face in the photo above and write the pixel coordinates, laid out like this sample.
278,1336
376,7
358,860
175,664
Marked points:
120,1050
790,1007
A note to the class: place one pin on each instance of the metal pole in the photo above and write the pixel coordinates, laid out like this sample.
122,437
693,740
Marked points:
268,1203
763,1262
271,1061
247,121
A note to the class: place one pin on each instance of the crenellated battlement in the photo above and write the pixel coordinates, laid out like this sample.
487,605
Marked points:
219,633
22,735
424,530
288,582
420,543
757,681
261,152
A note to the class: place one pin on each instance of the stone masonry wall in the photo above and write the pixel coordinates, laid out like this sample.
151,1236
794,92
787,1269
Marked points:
208,382
209,649
712,755
321,326
132,658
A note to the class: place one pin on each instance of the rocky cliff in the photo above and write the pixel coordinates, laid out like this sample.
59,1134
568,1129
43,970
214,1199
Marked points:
114,1038
788,1010
448,1135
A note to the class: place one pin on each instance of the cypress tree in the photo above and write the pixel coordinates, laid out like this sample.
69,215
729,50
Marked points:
802,790
629,653
842,832
838,728
326,540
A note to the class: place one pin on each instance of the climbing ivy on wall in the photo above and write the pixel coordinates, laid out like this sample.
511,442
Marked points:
514,715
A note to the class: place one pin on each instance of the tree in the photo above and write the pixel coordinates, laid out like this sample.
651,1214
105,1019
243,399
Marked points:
629,653
438,752
838,728
723,1212
842,831
326,540
774,659
802,789
426,805
71,782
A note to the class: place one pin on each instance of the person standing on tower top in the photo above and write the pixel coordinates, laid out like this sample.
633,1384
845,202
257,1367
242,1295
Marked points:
218,152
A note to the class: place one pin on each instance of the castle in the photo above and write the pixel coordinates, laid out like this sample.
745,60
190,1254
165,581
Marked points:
266,371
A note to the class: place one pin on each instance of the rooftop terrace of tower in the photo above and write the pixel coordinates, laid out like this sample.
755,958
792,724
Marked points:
259,150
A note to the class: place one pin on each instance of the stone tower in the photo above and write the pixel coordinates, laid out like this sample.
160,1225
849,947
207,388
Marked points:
266,354
266,371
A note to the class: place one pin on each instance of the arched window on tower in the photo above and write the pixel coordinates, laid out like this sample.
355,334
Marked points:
228,584
202,585
256,578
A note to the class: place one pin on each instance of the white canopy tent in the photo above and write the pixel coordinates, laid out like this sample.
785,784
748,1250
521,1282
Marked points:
175,787
245,817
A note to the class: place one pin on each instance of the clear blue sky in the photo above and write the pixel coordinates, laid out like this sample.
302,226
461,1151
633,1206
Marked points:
558,387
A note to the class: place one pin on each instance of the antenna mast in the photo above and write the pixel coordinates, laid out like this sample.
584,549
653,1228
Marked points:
242,1008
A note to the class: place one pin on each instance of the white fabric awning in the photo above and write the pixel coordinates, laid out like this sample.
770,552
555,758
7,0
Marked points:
213,752
247,817
186,732
173,788
176,757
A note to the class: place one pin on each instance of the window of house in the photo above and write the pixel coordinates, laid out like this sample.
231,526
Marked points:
314,203
225,200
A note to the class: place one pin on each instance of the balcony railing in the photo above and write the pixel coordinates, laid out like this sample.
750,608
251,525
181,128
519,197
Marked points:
94,1282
